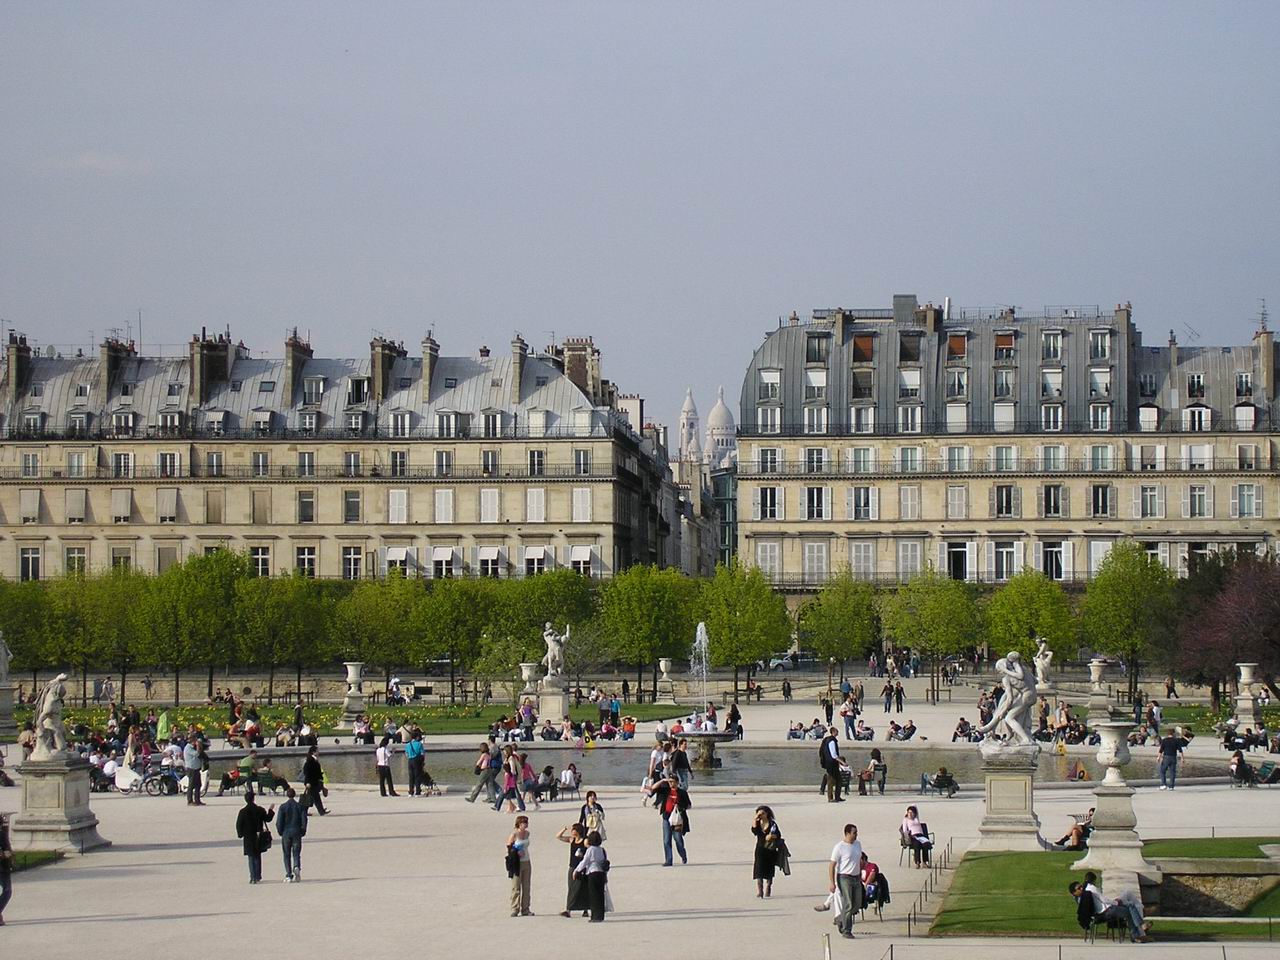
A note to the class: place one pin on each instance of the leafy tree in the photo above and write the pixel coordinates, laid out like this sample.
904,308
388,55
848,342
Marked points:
1030,605
1128,606
647,613
158,622
746,621
114,603
377,621
935,616
280,619
1191,656
450,621
206,596
1241,624
70,637
24,614
842,622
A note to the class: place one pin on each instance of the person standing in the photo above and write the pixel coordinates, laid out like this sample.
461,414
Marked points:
849,714
510,781
887,693
6,866
786,691
768,838
488,763
680,763
291,825
829,757
382,760
591,816
626,690
191,762
313,780
673,805
518,868
1170,689
843,871
898,694
575,835
595,869
413,754
1170,747
251,825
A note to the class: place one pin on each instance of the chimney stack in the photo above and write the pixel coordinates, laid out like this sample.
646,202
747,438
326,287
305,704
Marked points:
430,357
296,353
1266,366
112,355
519,351
382,354
210,360
18,364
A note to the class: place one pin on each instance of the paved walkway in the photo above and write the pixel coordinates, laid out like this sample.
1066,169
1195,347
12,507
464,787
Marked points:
425,876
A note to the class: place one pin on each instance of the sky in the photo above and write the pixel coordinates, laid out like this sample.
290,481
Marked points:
668,178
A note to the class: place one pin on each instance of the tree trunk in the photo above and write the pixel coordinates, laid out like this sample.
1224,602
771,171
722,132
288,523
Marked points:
124,678
654,697
84,685
271,684
208,691
1215,696
177,685
735,683
452,697
299,683
639,680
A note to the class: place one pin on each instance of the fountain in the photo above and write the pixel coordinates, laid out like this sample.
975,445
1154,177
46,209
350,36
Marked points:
1114,843
704,756
698,663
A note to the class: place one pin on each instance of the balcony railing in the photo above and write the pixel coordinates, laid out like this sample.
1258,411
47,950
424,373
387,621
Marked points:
372,431
1166,424
815,581
982,467
318,472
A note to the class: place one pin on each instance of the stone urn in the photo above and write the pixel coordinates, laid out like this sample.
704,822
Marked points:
1248,710
353,704
529,674
664,664
1113,752
1097,667
1247,676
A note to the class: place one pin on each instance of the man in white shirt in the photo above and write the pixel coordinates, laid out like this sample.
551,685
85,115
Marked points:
846,864
110,767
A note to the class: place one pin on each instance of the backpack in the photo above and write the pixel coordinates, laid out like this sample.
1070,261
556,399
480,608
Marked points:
495,761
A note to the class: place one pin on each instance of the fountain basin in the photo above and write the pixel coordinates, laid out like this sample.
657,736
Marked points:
704,748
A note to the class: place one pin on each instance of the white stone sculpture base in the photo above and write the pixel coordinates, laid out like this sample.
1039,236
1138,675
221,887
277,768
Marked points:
1248,711
55,811
353,703
666,691
8,729
1114,843
553,699
1010,822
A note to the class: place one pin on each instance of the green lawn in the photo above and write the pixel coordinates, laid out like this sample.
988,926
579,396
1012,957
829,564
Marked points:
1200,719
27,859
1233,848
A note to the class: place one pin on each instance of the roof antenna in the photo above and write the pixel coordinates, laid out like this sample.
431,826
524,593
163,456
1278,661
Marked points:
1262,315
1192,333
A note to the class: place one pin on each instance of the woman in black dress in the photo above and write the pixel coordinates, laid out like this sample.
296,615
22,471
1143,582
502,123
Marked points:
766,861
575,835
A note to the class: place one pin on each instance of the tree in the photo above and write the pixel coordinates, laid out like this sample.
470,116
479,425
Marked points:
1128,606
377,621
935,616
1241,624
24,614
842,622
450,621
206,596
1192,656
746,621
647,613
115,600
1030,605
157,621
280,620
69,626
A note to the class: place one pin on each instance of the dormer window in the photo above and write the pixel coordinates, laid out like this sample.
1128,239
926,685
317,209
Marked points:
82,390
538,381
1195,386
355,422
313,389
126,389
957,347
78,423
170,422
175,390
815,385
957,383
1244,384
214,421
451,382
308,421
405,383
1146,385
863,348
1100,345
1099,383
400,424
33,423
357,392
236,385
908,348
122,423
1004,346
262,421
817,348
267,386
770,386
37,390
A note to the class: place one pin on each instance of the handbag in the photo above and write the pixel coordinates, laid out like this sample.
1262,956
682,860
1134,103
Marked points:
264,841
512,862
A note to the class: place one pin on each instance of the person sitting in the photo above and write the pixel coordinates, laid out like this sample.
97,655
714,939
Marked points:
916,837
570,778
894,732
547,785
908,731
245,770
548,732
284,735
677,728
1092,907
362,730
5,779
1241,771
863,732
628,728
875,885
267,778
876,771
942,781
607,730
796,731
817,729
1077,838
962,731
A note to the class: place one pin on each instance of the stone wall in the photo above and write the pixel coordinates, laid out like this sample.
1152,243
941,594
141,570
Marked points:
1215,888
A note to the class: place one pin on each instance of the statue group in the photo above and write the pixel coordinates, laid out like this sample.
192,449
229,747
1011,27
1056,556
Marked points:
1014,716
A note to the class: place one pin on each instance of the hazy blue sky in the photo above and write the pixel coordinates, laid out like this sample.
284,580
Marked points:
668,178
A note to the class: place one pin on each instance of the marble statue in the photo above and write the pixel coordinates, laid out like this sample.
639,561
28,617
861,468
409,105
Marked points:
51,735
6,655
1043,660
554,660
1013,716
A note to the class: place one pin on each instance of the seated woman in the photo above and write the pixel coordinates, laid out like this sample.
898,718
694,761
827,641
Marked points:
875,885
863,732
916,837
284,735
1077,837
875,770
608,731
362,730
548,732
942,781
628,728
570,777
1241,771
547,785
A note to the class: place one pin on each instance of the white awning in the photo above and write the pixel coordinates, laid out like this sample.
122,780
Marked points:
442,553
29,502
215,416
121,502
489,553
579,553
262,416
75,504
397,554
167,502
535,553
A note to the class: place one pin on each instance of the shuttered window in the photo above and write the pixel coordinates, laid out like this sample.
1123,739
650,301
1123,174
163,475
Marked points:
76,505
957,346
261,507
121,505
863,346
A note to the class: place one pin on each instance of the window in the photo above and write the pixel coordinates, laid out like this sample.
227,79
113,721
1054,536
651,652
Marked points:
908,459
770,500
1100,383
1148,418
1051,417
1053,457
308,421
1245,414
261,462
1003,382
959,563
908,502
1099,345
490,562
1101,502
75,464
957,383
957,502
862,419
908,384
126,389
1195,419
1051,384
260,561
909,419
863,503
446,425
862,385
444,463
350,506
1004,417
167,504
815,561
1195,386
817,348
29,563
357,390
863,348
815,419
1246,500
1100,457
400,424
492,425
261,507
1247,456
1100,416
535,561
1199,456
535,505
352,559
1150,501
306,506
582,505
78,424
910,553
770,387
957,346
355,422
1051,345
236,385
957,459
769,419
399,463
1146,385
82,390
1244,385
74,560
1004,458
214,501
767,559
815,503
1051,559
312,390
1051,500
815,460
306,463
1002,552
769,459
122,465
908,348
815,385
267,386
305,561
31,464
537,463
443,506
29,505
581,462
1004,501
489,505
121,558
862,559
167,464
170,423
1197,504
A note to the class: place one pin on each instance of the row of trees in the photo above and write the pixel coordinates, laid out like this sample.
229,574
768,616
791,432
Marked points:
209,613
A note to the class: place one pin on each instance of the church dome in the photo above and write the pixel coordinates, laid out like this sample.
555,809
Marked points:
720,418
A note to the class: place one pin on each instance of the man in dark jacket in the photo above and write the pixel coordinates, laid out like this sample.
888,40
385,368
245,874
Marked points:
673,804
250,825
313,780
828,756
291,825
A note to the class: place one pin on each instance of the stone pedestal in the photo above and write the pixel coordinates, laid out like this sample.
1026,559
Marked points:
703,756
353,704
55,812
553,699
1099,705
1114,843
1010,822
8,729
666,687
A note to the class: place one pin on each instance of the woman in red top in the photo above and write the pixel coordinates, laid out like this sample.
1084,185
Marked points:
672,803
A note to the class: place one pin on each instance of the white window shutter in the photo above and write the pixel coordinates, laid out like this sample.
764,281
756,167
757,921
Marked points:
990,566
971,560
382,562
1137,501
457,561
991,458
502,562
942,556
1037,555
1235,501
1186,501
782,503
1017,501
755,503
875,503
1068,556
1164,553
991,500
848,503
826,504
1257,501
1160,457
595,562
1208,500
475,560
871,461
1019,556
1135,457
1160,501
520,561
1064,500
1186,456
1015,458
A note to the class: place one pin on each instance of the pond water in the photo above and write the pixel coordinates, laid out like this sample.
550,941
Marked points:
744,765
